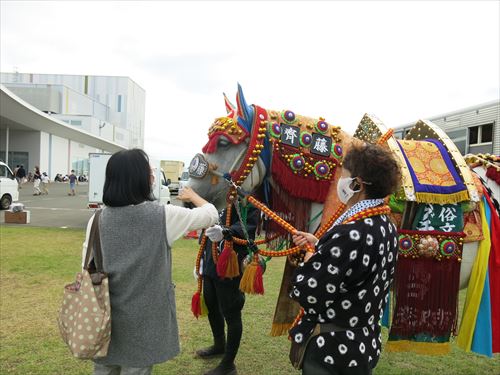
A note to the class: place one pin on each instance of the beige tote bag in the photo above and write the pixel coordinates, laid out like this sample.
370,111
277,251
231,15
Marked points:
85,314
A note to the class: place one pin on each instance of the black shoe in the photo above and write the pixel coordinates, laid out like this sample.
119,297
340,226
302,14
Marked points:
223,370
210,352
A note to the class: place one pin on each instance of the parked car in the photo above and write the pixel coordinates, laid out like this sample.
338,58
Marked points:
9,188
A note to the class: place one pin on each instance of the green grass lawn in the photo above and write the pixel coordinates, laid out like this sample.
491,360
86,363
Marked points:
35,264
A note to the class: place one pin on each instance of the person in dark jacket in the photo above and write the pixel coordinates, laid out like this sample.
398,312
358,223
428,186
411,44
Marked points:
20,175
344,286
223,298
37,179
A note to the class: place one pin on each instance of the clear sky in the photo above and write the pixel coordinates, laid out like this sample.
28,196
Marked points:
399,60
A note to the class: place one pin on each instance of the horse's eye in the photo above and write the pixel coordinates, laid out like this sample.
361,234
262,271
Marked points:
223,142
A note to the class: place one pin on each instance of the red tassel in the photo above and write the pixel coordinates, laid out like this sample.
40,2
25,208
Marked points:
223,260
258,284
425,286
196,304
298,186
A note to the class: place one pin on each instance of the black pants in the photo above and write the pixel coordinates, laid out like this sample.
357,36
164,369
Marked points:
314,366
225,301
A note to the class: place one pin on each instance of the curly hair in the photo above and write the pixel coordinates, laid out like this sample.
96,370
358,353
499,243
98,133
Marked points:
376,166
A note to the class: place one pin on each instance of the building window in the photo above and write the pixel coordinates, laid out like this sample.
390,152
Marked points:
119,105
480,134
487,133
76,122
399,134
474,135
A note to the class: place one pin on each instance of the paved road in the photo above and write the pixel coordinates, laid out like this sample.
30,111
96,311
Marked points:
57,209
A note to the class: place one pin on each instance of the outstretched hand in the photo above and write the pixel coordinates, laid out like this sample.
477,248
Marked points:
303,238
186,194
214,233
189,195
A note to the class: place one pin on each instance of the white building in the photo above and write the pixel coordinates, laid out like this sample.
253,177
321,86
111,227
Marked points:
474,129
109,109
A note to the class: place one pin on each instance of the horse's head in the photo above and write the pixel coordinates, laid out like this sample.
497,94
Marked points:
229,138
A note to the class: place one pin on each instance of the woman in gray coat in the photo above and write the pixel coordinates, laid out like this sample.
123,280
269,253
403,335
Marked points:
136,237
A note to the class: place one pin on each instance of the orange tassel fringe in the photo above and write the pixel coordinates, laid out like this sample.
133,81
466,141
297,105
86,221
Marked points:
252,281
227,264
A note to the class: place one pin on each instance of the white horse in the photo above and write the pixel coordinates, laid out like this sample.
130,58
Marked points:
229,141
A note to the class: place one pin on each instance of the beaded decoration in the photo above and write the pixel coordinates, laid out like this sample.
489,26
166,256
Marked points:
430,244
294,135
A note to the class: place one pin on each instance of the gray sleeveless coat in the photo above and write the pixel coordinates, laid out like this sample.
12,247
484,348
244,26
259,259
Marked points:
138,260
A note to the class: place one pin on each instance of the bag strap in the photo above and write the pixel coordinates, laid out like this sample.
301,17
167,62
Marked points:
94,244
97,248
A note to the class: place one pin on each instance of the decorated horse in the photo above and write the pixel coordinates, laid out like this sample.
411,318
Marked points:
287,165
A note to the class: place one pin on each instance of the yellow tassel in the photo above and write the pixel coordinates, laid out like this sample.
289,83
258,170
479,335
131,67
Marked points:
204,309
248,279
233,267
280,329
427,348
442,198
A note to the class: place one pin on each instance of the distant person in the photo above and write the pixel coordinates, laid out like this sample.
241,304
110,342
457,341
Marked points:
37,179
20,175
15,172
73,180
136,235
45,184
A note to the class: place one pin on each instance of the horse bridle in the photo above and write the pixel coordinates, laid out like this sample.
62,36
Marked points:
200,167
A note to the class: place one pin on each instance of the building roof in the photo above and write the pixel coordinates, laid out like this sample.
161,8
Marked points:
17,114
453,113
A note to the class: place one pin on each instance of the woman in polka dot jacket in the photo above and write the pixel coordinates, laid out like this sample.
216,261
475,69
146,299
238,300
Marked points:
344,286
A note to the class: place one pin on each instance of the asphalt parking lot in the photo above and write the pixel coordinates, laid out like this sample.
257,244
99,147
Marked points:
57,209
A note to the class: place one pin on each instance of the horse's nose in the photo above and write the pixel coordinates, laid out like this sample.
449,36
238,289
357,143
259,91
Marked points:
198,168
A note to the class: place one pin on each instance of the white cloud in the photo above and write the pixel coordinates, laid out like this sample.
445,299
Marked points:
399,60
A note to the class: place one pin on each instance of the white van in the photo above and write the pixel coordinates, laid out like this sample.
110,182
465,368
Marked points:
9,188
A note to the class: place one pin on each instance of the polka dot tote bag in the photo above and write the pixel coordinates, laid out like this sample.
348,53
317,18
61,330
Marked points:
85,314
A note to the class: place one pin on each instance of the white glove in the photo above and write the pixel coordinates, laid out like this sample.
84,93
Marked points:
214,233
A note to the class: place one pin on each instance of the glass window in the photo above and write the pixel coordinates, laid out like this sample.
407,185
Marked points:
3,171
474,135
487,133
119,106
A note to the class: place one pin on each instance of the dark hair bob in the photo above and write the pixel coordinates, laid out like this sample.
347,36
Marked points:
376,166
127,179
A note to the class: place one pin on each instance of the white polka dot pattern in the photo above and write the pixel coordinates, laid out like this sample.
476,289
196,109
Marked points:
347,285
85,318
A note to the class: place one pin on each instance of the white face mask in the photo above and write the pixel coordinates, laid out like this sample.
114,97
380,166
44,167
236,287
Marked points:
344,191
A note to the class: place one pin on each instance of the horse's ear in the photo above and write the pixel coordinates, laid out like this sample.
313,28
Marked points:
229,106
245,112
